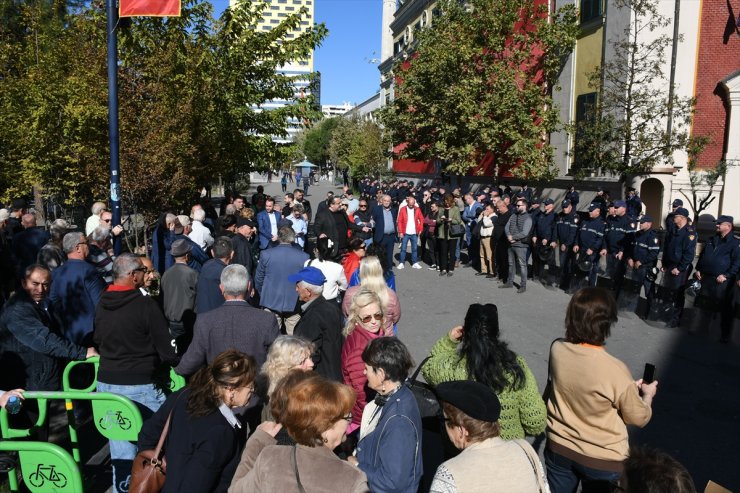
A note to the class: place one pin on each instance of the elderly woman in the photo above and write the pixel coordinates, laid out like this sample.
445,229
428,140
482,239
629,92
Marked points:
389,449
372,279
588,411
474,351
487,462
204,440
316,415
364,323
286,353
447,244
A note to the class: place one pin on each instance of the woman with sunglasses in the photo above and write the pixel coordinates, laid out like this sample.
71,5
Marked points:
364,323
205,439
355,253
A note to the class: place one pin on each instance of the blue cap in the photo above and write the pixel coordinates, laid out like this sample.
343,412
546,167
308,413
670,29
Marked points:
594,206
310,275
565,203
548,202
620,203
677,203
682,212
646,219
726,219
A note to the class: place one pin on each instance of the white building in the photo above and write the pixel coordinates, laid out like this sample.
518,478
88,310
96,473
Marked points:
332,110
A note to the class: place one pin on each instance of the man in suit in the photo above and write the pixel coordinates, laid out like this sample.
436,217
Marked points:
385,218
321,323
241,243
268,222
233,325
28,243
277,293
208,295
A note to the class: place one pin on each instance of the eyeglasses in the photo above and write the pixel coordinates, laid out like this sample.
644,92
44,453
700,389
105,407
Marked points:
363,205
140,269
376,316
348,417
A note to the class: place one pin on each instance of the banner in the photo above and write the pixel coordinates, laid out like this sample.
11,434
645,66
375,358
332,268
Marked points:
149,8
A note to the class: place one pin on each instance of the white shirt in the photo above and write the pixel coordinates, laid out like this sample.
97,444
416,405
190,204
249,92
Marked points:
299,226
335,277
273,224
201,235
410,223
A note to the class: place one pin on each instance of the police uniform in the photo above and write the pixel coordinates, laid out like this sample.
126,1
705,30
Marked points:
566,231
670,226
617,237
544,229
678,253
591,237
645,248
721,256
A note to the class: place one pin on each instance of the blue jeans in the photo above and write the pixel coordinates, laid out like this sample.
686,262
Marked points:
414,239
146,395
564,474
457,249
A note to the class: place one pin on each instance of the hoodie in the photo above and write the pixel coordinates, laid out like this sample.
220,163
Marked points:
132,337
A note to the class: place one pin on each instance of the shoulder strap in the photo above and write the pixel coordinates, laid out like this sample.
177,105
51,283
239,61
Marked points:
295,469
548,385
541,485
158,453
418,369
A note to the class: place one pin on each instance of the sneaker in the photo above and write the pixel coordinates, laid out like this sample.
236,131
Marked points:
506,285
521,290
417,265
442,273
400,267
433,267
449,274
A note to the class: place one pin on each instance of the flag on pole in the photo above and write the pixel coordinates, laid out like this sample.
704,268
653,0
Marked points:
149,8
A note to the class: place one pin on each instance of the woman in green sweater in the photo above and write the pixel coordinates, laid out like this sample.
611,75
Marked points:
475,352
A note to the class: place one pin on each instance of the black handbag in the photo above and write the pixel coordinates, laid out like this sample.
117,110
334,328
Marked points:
456,230
425,396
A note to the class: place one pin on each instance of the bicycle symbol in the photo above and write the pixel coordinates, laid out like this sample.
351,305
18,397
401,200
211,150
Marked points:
47,473
114,418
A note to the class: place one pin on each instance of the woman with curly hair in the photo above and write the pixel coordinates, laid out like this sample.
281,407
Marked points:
286,353
372,279
474,351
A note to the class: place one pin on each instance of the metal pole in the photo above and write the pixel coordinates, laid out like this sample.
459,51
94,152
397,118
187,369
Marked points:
115,170
674,55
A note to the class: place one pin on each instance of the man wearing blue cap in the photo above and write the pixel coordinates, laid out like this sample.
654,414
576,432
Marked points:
618,234
566,231
678,253
718,268
321,322
643,255
590,239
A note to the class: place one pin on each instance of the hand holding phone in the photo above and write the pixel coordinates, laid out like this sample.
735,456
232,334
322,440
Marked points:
649,374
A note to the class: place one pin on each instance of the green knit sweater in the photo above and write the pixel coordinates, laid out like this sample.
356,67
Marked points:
522,411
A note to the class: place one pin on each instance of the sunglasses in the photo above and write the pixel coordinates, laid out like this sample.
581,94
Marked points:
363,205
140,269
376,316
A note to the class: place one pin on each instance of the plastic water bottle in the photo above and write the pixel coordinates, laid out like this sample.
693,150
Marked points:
13,406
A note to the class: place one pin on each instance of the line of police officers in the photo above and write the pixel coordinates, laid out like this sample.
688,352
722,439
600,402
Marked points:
630,243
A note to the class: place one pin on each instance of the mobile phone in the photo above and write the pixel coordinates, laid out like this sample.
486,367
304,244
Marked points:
649,374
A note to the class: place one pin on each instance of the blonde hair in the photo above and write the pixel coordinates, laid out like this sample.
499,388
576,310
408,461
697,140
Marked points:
360,300
372,279
247,213
285,353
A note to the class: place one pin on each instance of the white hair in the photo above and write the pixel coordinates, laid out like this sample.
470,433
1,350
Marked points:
235,279
100,233
199,215
97,208
71,240
317,290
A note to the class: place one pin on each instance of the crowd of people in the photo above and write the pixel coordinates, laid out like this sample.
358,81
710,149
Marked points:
284,321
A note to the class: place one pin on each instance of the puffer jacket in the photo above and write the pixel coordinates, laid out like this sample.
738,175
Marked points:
353,368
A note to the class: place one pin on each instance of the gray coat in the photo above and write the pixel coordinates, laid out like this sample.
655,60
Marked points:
519,228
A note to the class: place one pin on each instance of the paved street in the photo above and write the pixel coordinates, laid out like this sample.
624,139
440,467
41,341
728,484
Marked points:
697,410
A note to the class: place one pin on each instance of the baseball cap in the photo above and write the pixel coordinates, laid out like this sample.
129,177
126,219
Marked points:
243,221
184,220
646,219
310,275
473,398
620,203
677,203
180,247
593,206
682,212
725,219
548,201
565,203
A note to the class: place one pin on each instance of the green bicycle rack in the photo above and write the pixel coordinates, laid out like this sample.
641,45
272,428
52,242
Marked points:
115,417
176,381
45,467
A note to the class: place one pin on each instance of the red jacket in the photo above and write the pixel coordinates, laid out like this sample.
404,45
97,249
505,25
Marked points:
353,368
403,217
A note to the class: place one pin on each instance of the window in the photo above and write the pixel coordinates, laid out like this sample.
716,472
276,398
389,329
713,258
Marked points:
407,35
590,10
424,19
290,9
585,112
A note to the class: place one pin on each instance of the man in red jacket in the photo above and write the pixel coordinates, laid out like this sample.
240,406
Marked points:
410,225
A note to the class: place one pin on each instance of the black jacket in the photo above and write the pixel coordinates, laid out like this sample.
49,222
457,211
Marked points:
321,323
202,452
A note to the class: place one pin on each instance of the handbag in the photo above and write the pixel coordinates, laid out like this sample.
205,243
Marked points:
149,469
457,230
425,397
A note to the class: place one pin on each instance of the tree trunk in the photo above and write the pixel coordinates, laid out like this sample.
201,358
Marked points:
38,200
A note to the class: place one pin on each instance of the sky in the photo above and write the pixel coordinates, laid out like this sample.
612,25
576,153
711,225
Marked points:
348,57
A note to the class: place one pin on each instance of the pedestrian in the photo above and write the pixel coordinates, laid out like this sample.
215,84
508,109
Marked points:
518,231
52,254
336,280
501,242
643,257
356,252
544,235
410,226
209,294
286,353
679,251
566,231
430,235
268,221
28,243
448,217
179,289
590,240
385,218
372,279
485,221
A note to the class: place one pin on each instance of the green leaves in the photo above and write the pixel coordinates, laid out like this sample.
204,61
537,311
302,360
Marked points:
360,146
479,82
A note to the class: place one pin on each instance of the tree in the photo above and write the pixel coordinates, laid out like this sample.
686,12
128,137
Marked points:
702,183
360,146
625,130
315,143
479,81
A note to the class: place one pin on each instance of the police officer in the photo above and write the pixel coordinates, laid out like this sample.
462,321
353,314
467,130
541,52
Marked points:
544,234
643,254
719,263
670,226
572,196
534,212
634,204
678,253
590,239
566,230
618,234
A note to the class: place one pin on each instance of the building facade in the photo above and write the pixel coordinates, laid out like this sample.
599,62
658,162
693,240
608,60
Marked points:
332,110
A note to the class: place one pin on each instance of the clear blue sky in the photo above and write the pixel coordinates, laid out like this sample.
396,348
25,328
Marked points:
345,59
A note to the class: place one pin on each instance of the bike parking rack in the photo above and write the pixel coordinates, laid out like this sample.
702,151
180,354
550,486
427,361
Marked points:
45,467
115,417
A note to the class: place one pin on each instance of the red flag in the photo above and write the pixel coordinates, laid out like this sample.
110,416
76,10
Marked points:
149,8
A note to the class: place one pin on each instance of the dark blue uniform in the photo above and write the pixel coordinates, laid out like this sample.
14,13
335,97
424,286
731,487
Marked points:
634,206
721,256
617,238
591,237
645,248
573,198
678,253
543,227
566,231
